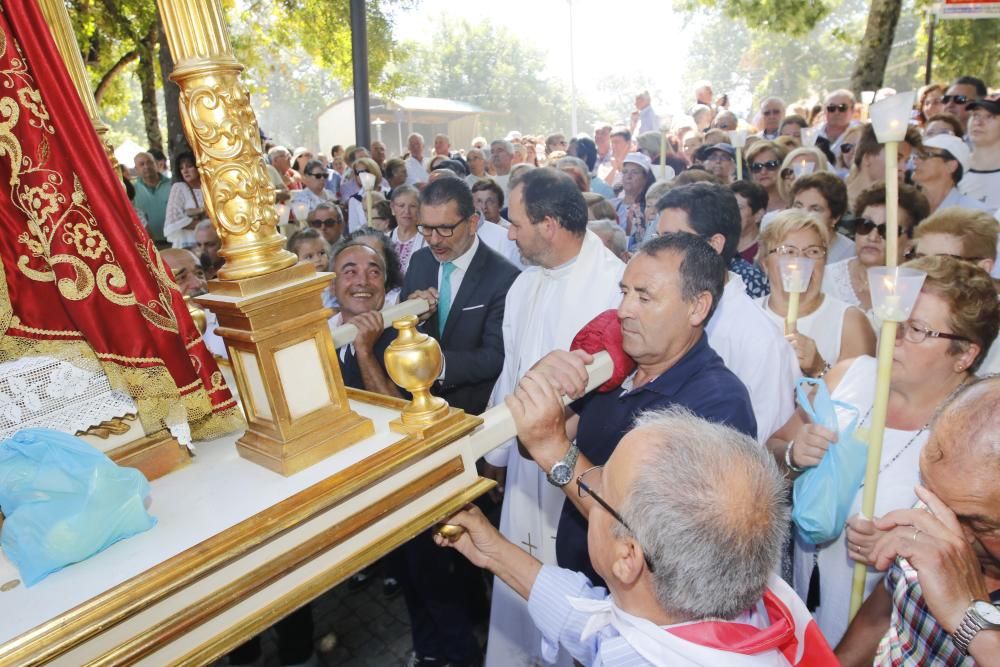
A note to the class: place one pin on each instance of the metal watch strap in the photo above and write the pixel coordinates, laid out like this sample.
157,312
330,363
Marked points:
967,630
569,461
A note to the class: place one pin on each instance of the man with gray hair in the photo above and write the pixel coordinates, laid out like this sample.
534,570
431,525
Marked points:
939,602
501,155
416,170
772,111
687,521
577,170
644,119
839,113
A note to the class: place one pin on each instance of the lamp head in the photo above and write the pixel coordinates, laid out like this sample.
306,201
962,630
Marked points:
894,291
891,116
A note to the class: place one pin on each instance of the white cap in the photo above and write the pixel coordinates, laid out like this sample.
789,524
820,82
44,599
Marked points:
958,148
639,159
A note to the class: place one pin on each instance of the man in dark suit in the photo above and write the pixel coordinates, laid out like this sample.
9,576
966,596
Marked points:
466,283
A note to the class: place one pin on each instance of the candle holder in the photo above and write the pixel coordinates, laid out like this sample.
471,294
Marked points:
894,291
890,118
796,272
301,211
367,181
738,139
803,168
808,136
283,214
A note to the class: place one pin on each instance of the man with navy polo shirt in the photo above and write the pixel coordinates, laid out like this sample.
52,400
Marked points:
670,289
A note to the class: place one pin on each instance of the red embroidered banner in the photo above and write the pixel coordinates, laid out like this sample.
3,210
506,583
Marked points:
79,268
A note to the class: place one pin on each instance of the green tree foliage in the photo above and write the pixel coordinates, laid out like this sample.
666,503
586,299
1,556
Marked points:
791,17
962,47
490,66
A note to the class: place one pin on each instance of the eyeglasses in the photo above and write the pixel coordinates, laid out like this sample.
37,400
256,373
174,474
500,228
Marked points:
323,176
960,100
929,155
770,165
444,231
913,254
842,108
914,333
810,251
864,226
719,157
587,491
330,222
846,148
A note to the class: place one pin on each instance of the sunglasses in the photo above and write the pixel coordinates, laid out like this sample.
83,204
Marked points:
831,108
770,165
957,99
864,226
316,224
323,176
846,148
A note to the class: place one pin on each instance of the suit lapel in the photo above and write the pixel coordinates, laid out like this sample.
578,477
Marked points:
470,281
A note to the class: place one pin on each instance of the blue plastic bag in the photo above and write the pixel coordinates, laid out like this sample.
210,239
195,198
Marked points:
822,496
64,501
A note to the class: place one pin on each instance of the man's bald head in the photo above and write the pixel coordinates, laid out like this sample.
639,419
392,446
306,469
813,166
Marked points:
967,430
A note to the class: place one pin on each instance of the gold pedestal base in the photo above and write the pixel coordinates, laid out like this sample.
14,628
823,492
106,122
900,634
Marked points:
446,420
286,368
153,455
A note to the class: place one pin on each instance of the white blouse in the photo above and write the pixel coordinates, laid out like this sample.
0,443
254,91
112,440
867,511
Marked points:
182,198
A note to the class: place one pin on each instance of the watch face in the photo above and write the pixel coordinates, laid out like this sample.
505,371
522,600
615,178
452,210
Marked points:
989,612
561,473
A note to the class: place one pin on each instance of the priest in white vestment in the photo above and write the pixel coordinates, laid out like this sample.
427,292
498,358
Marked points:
759,356
573,279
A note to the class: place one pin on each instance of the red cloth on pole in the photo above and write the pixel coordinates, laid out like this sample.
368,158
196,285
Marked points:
604,332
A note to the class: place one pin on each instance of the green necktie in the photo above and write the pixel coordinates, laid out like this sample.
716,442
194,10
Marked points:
444,295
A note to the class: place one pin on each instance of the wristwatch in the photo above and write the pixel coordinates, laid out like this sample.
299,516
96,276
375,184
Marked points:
982,615
562,472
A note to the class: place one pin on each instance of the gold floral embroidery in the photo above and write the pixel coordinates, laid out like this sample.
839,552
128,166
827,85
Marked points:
31,100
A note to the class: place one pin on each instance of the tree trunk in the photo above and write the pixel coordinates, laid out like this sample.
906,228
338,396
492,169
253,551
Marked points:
147,84
176,140
873,53
109,76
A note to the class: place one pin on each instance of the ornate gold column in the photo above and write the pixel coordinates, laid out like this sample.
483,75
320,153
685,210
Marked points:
59,22
269,307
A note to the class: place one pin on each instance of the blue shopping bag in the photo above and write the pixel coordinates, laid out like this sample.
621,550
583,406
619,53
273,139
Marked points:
822,496
64,501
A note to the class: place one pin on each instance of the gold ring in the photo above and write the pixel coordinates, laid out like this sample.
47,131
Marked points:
915,533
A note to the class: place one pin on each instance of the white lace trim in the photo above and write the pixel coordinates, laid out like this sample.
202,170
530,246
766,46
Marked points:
42,392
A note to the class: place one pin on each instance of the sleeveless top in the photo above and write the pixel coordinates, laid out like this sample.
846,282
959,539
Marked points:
825,325
898,473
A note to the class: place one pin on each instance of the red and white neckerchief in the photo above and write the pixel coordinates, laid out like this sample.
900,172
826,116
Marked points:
778,632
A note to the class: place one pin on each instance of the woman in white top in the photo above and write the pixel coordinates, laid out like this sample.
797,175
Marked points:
827,329
185,204
405,205
954,321
847,280
357,215
825,195
314,193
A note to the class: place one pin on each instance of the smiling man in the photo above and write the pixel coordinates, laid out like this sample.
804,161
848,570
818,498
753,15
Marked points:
359,286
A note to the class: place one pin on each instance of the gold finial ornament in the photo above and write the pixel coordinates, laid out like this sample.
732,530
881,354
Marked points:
414,362
197,314
57,18
222,130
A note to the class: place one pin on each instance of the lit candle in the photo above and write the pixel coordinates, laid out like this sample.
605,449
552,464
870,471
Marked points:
301,211
283,213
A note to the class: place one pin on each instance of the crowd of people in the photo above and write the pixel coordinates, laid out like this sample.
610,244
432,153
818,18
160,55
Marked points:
649,522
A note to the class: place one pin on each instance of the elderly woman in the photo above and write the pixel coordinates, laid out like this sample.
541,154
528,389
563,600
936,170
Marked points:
477,161
405,205
847,279
314,193
357,214
825,195
937,350
764,160
630,207
965,234
828,329
185,203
